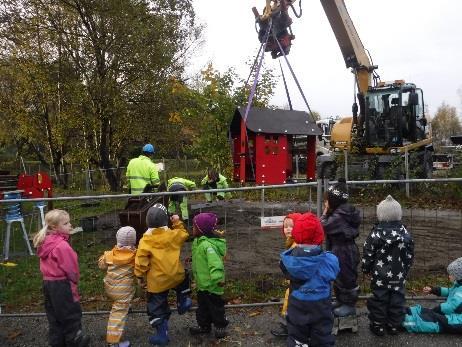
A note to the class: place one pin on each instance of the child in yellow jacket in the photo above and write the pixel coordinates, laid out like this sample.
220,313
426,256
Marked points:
158,264
119,283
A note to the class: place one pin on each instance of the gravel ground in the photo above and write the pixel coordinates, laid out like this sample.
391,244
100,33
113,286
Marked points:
248,327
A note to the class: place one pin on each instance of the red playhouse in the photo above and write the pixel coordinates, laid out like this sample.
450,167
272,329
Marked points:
266,144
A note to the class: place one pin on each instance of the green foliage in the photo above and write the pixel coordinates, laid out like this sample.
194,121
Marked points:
445,124
82,81
205,110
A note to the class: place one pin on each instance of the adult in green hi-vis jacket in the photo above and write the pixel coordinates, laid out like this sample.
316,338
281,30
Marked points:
178,184
142,173
214,180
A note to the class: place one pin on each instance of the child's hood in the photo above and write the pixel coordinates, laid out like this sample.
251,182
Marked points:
218,243
390,232
158,237
120,256
324,263
350,214
50,243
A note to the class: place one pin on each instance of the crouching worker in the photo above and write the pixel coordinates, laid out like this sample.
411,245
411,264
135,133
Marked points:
119,283
214,180
311,272
158,265
179,201
447,316
208,251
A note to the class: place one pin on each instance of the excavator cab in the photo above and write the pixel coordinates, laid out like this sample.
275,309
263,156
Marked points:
394,116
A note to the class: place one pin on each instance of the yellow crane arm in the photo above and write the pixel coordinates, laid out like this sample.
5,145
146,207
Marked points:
353,51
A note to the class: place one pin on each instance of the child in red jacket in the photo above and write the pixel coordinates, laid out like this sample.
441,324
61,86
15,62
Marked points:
60,271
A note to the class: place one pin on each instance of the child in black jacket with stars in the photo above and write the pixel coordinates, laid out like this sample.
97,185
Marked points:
387,256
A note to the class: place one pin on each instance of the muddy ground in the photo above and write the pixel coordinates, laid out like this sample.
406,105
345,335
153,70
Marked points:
253,253
248,327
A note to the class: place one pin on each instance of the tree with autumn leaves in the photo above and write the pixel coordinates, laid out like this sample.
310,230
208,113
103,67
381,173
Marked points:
83,80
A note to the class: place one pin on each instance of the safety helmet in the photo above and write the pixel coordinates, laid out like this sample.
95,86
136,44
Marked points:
148,148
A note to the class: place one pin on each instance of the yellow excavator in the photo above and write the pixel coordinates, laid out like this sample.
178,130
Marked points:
388,117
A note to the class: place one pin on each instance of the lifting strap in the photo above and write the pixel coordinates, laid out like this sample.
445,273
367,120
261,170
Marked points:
296,81
285,86
254,87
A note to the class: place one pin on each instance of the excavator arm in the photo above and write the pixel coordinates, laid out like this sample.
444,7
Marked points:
353,51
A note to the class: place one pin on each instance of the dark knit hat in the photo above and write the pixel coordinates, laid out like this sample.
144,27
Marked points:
389,210
337,194
205,223
455,269
308,230
157,216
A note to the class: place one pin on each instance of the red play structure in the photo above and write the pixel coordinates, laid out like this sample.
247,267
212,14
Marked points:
263,145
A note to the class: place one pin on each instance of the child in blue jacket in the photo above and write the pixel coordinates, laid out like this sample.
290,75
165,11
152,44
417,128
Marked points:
311,272
444,318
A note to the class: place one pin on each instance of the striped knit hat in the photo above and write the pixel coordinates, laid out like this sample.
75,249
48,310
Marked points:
126,237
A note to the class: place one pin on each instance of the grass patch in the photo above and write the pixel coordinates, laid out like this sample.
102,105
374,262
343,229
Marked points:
22,285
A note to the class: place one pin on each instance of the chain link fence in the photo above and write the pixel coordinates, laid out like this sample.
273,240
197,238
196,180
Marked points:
252,262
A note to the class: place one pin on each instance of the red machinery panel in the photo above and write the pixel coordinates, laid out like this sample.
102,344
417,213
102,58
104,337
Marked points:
236,158
244,155
34,186
274,159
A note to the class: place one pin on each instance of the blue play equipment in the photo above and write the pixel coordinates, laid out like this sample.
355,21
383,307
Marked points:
14,214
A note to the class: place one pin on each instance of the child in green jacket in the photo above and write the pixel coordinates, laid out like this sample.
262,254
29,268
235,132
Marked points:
208,251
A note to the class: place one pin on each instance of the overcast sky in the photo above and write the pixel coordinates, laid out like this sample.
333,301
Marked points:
416,40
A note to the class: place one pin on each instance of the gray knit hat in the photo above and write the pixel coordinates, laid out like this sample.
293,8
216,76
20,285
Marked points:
389,210
126,236
455,269
157,216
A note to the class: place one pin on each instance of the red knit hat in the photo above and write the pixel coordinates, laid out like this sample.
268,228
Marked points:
308,230
293,216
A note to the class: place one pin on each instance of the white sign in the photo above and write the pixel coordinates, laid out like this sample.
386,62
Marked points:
272,222
160,166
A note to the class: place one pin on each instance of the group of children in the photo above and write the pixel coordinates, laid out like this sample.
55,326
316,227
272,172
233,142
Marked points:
308,309
155,265
388,252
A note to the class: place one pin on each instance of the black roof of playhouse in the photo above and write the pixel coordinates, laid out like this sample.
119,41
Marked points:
456,139
263,120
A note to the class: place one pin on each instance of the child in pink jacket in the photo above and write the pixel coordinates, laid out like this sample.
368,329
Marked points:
60,271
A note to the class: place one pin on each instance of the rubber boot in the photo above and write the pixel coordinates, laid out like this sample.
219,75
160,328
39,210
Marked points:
220,332
80,340
377,328
281,332
345,310
199,330
119,344
161,338
392,330
184,304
